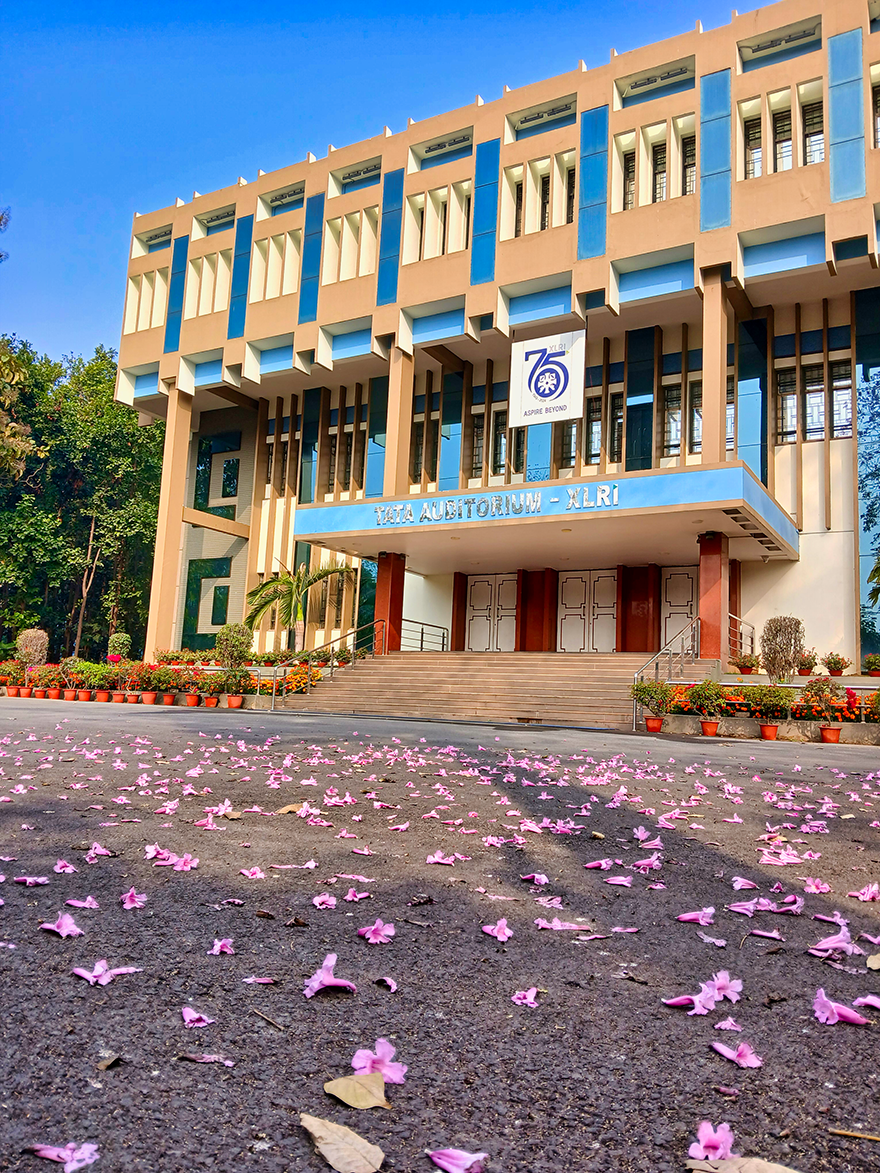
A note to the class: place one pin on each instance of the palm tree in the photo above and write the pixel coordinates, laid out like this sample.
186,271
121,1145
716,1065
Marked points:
288,593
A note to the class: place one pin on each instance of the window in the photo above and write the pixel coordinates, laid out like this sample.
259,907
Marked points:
230,478
219,606
479,422
518,210
689,165
782,140
282,456
418,450
695,417
519,449
593,430
875,99
658,168
467,220
568,453
814,401
629,180
814,133
786,406
569,195
841,389
499,442
672,420
443,225
331,471
754,152
432,431
347,446
615,446
730,416
545,202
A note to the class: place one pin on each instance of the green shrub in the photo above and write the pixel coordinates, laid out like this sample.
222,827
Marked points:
233,645
871,663
746,661
769,702
822,692
707,698
653,695
119,644
834,662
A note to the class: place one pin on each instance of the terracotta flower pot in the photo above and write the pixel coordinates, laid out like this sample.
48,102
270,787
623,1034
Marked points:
118,698
132,698
84,694
710,728
830,734
53,694
40,694
70,694
12,689
234,702
148,698
654,724
768,732
805,671
168,698
835,672
745,671
102,695
876,673
25,690
211,702
192,699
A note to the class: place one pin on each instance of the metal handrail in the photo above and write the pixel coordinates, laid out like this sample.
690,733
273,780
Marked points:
740,636
688,643
443,637
377,626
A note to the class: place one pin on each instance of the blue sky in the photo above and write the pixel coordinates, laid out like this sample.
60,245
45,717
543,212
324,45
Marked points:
115,108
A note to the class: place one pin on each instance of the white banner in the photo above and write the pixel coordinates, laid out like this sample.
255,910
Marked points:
547,379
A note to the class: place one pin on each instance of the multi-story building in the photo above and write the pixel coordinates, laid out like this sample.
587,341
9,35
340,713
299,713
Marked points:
335,347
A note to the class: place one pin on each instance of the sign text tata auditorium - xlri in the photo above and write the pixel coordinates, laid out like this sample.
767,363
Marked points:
489,505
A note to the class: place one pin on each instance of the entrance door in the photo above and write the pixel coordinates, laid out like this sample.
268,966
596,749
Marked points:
491,613
678,600
587,611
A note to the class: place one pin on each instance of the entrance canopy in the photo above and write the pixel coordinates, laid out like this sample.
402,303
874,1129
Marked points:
635,518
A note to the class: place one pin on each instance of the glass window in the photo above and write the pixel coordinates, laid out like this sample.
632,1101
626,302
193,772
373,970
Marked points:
615,446
282,456
230,478
331,471
569,195
593,431
658,166
689,165
841,389
814,133
347,446
814,401
782,140
875,97
519,449
518,210
418,450
695,417
499,443
568,454
786,406
270,452
754,152
629,180
672,420
730,416
478,422
545,202
219,606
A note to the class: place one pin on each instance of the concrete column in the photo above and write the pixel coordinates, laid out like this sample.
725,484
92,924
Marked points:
714,596
458,633
172,498
399,422
716,314
389,597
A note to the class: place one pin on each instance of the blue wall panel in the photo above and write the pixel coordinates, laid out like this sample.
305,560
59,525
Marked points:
656,280
354,343
539,442
751,396
277,358
593,188
308,468
241,271
377,428
206,373
389,243
777,256
448,324
846,116
175,294
485,211
147,384
313,234
548,303
715,169
449,462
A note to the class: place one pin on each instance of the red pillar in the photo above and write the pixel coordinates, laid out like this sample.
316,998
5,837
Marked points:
389,597
714,596
458,634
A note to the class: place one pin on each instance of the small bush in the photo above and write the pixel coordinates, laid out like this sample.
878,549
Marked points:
749,660
32,647
809,659
835,662
782,646
233,645
823,694
654,695
707,698
119,644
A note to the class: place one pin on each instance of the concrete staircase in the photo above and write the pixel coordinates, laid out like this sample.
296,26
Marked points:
551,688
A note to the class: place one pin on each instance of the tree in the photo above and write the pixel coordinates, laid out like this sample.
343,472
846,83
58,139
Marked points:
4,224
287,595
15,438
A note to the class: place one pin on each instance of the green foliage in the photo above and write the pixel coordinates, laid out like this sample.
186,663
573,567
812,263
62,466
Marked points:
871,662
287,593
809,659
768,702
238,681
119,644
835,662
747,660
653,695
89,459
233,645
822,691
782,646
707,698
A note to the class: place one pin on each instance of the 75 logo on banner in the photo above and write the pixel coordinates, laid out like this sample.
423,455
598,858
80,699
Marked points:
547,379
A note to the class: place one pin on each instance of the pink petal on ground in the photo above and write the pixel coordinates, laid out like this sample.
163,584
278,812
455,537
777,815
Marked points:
719,941
324,900
620,930
557,924
89,902
62,867
324,978
353,895
64,926
210,1059
380,1060
775,935
252,873
830,1012
869,892
712,1144
389,982
439,857
536,878
193,1018
603,864
526,997
811,884
725,986
72,1156
500,930
457,1160
621,881
743,1056
727,1024
738,883
132,899
221,945
704,916
258,981
30,881
378,933
871,1000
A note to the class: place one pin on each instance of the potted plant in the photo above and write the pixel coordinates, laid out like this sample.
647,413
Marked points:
769,703
213,683
835,663
747,663
165,681
708,698
782,646
192,686
147,680
103,677
653,695
233,649
72,674
31,647
12,675
871,664
237,682
808,662
823,695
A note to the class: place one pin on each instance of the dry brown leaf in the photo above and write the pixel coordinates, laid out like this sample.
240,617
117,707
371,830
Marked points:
343,1149
873,961
293,809
364,1090
739,1165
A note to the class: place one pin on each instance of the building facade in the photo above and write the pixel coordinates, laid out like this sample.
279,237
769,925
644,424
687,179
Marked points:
336,349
